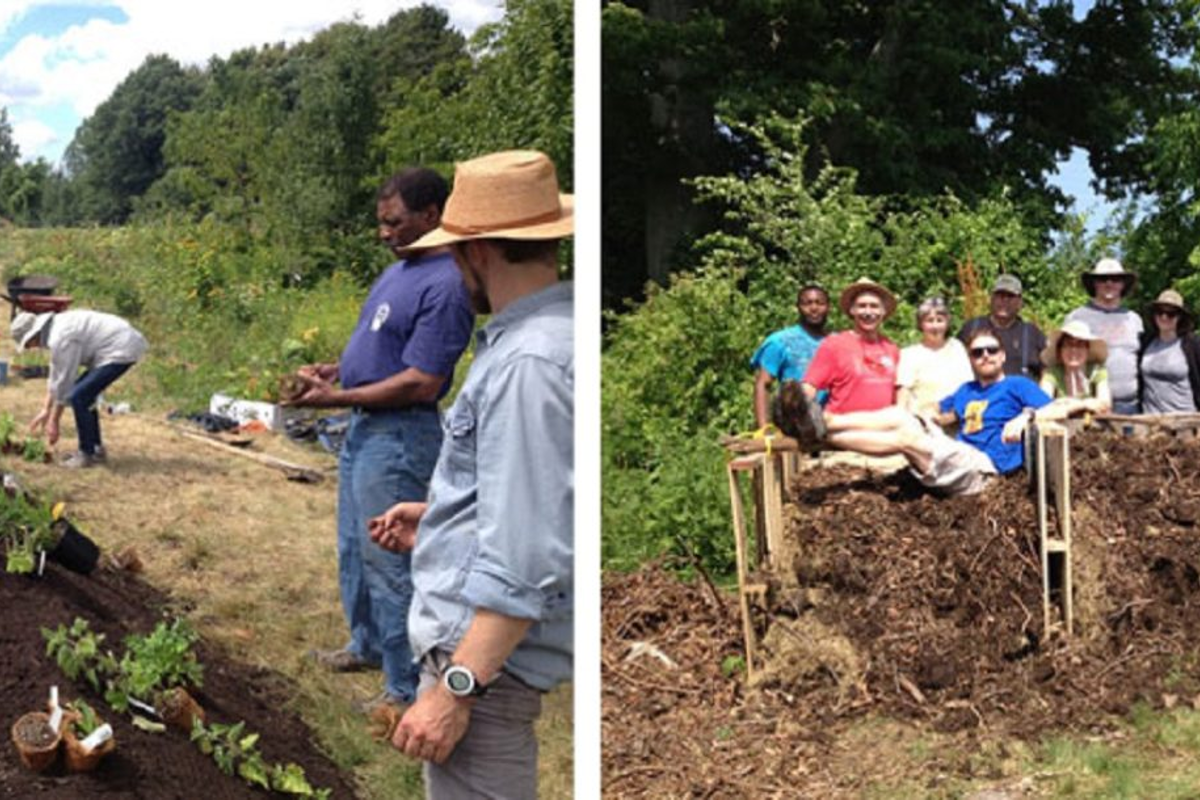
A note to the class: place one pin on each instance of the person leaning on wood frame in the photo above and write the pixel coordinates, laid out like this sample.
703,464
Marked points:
993,411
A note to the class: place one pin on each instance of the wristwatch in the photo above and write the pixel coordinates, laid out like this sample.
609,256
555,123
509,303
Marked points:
461,682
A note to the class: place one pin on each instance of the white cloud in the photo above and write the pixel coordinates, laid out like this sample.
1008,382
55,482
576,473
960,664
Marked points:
81,66
33,137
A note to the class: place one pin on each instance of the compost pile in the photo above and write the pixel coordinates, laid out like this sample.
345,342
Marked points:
916,607
144,765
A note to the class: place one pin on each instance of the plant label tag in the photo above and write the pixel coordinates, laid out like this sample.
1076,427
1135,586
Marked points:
56,718
96,738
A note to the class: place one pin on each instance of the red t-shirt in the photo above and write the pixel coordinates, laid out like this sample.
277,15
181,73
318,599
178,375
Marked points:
860,375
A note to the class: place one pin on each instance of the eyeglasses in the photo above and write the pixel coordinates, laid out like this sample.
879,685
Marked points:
987,350
1166,312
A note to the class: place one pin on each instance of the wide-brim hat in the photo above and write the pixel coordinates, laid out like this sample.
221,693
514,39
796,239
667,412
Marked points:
25,326
1171,299
851,293
1077,329
1108,268
507,195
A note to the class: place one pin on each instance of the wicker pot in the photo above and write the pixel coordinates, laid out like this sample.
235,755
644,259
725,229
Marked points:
179,709
35,740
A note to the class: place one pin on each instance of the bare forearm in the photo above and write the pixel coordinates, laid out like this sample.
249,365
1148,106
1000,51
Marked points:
489,641
404,389
762,394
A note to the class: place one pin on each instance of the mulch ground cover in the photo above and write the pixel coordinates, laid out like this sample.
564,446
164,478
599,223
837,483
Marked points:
144,765
912,607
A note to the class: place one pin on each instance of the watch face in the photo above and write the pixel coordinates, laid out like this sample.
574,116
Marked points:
459,681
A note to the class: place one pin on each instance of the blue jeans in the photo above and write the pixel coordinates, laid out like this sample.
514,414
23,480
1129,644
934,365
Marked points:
83,402
387,457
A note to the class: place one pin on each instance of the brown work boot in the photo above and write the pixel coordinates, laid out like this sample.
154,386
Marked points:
798,416
341,660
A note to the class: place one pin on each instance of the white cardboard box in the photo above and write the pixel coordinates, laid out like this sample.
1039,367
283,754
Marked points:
270,414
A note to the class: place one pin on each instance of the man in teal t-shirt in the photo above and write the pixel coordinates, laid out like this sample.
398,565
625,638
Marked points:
785,354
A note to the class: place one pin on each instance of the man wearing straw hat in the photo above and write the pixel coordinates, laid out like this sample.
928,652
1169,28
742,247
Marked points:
1108,284
858,366
105,346
491,618
397,365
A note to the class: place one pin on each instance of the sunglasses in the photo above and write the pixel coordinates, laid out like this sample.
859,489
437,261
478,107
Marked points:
986,350
1166,312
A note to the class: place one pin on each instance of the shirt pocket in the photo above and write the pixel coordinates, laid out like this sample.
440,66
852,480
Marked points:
460,442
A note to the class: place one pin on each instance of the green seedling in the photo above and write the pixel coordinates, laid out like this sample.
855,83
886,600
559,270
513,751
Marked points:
8,427
159,660
34,449
77,652
236,752
87,720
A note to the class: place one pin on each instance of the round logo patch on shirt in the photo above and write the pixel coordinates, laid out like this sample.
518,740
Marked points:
381,315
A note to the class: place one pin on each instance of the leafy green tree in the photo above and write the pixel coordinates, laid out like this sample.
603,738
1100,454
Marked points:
919,97
117,153
515,92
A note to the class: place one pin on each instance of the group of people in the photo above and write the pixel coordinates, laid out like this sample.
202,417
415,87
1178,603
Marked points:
856,390
455,529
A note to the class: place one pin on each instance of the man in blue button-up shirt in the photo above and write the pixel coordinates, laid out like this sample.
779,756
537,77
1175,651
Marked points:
491,616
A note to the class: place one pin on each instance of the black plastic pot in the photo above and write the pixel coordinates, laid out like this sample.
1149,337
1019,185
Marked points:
75,551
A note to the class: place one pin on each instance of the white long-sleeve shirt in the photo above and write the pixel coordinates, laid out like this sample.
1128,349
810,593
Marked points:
88,339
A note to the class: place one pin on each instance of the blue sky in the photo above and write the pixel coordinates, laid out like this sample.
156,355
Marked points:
59,59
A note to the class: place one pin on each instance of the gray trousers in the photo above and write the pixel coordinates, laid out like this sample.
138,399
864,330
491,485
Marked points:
497,758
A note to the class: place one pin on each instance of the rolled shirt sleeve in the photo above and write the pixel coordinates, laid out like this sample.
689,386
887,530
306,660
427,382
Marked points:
526,488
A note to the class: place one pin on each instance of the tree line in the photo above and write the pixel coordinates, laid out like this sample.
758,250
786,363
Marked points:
978,100
286,144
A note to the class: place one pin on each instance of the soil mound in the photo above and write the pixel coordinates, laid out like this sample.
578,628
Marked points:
917,607
144,765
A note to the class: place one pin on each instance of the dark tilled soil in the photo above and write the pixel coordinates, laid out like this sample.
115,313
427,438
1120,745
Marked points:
914,607
144,765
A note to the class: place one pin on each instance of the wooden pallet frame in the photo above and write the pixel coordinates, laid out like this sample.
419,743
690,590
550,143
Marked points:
766,472
1048,459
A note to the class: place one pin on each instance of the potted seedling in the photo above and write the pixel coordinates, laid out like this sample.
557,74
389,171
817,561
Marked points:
26,532
36,740
86,738
70,547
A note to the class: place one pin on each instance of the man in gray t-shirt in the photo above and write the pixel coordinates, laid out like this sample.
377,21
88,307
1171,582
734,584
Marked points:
1108,284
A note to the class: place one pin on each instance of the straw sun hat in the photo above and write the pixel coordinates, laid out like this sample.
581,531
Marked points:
1076,329
851,293
508,195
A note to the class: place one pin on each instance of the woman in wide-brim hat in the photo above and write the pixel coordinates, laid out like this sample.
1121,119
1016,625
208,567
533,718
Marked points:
1074,361
1169,358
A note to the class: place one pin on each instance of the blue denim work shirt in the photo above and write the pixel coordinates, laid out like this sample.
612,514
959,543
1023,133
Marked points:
498,532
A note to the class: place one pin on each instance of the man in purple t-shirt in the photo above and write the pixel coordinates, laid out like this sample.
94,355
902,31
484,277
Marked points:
399,362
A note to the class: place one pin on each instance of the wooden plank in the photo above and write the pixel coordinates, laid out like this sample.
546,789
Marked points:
772,507
739,541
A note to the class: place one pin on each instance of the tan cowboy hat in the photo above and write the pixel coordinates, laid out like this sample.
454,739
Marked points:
1076,329
851,293
25,326
1108,268
508,195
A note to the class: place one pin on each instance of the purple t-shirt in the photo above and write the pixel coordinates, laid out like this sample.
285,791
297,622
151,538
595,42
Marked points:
418,314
